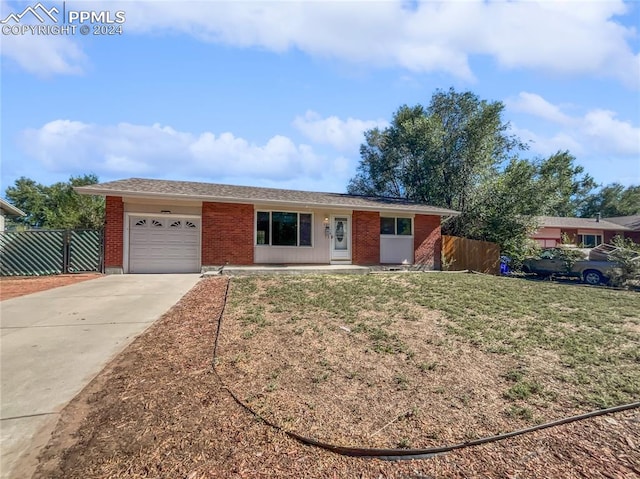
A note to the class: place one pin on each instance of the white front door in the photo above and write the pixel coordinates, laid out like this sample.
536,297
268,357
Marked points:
340,238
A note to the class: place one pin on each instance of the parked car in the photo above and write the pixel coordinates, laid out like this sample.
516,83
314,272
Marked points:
556,261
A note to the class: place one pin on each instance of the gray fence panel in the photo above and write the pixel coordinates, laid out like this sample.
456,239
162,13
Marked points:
85,247
31,253
37,253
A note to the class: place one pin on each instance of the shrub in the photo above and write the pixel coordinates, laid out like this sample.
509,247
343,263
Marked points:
569,256
627,255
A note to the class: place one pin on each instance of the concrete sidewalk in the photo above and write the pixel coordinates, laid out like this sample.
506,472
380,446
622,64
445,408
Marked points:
293,269
54,342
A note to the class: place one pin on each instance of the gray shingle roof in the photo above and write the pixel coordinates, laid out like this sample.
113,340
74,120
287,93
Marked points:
570,222
189,190
631,222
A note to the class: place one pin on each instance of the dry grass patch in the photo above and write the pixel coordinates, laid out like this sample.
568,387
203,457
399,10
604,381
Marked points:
421,360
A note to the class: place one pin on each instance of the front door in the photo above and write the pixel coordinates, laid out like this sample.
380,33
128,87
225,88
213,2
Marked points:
340,238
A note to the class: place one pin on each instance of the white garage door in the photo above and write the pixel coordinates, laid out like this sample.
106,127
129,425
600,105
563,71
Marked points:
164,244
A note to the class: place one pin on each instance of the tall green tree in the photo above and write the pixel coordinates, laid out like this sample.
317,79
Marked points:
612,200
57,206
564,184
438,154
457,153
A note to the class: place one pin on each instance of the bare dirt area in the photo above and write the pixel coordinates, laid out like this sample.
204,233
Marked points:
12,287
159,410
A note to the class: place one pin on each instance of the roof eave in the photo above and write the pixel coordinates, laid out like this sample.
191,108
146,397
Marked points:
262,201
11,210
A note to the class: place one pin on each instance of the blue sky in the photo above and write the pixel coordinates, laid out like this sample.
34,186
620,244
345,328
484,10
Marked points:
279,93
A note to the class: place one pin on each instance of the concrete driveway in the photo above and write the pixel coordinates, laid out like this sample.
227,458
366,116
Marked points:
53,343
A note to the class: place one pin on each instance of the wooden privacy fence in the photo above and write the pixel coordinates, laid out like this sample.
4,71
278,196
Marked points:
462,253
43,252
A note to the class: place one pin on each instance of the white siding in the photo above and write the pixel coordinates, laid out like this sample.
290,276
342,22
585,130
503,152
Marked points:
318,253
132,205
396,249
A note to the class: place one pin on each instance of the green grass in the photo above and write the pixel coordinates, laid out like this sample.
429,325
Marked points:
594,332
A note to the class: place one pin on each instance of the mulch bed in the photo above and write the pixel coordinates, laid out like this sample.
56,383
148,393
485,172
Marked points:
158,410
12,287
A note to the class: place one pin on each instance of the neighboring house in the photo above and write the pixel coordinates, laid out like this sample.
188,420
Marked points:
588,232
178,226
632,223
7,209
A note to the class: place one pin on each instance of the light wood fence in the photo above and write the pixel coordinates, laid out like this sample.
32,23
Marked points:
462,253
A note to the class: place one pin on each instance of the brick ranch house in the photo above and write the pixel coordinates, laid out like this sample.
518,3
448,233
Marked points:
159,226
589,232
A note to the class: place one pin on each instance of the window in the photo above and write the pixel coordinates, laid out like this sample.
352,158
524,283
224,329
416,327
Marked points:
281,228
590,241
262,227
395,226
404,226
284,229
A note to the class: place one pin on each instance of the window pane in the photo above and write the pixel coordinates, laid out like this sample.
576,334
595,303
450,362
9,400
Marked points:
387,226
590,241
262,227
305,229
404,226
285,228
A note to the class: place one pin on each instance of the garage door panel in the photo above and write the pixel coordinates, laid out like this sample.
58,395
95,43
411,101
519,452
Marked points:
164,245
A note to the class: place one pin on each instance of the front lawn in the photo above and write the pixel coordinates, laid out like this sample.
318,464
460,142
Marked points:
415,360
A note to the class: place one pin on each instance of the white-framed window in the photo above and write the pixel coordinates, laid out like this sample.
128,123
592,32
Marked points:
589,240
284,228
398,226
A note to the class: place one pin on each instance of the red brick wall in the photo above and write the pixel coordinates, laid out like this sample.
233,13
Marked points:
633,235
227,234
113,232
427,241
366,237
572,234
609,235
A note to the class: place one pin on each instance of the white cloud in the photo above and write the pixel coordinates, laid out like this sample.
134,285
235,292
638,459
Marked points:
611,134
596,133
344,135
572,38
46,55
566,38
160,151
602,143
536,105
42,55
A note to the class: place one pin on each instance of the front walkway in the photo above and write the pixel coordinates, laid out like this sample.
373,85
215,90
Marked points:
293,269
